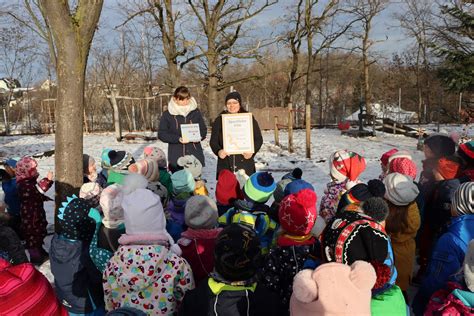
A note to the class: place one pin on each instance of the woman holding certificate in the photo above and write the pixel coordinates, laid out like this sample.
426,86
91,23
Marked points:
182,127
236,137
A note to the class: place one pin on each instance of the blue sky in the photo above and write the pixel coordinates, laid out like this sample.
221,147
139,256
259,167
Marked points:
386,31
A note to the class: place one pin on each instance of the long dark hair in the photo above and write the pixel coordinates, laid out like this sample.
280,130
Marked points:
397,219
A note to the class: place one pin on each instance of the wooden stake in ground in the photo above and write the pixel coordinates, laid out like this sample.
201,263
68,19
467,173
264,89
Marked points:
275,129
73,30
290,127
308,130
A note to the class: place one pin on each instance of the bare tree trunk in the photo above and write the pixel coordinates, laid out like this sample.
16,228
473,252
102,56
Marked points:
365,73
73,33
212,106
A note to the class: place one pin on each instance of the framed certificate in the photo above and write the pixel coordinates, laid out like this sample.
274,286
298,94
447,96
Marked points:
237,132
191,132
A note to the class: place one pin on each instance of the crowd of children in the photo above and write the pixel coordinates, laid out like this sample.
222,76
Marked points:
140,240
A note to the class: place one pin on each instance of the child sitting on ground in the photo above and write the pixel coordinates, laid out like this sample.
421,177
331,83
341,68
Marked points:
11,195
33,216
193,165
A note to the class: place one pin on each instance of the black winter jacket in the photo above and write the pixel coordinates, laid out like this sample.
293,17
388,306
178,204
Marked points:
76,278
169,131
11,244
234,162
203,302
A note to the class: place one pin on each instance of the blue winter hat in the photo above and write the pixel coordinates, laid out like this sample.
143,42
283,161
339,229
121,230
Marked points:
183,181
11,162
259,187
296,186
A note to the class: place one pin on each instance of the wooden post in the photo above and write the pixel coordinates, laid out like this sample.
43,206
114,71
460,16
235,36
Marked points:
275,130
394,127
308,130
290,127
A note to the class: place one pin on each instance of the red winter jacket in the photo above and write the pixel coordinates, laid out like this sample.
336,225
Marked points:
198,250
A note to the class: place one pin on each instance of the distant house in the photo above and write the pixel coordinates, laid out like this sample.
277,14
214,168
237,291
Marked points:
388,111
47,84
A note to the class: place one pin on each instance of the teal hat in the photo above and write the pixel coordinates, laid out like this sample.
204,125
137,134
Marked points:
183,181
259,187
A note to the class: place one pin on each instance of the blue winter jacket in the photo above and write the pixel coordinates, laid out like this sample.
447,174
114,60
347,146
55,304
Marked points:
446,259
11,196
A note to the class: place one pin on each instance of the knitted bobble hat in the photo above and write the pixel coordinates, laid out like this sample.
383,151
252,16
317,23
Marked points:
235,96
377,208
259,187
297,185
297,212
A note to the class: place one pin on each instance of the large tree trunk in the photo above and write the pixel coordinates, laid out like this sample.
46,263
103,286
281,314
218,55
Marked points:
73,33
212,106
365,75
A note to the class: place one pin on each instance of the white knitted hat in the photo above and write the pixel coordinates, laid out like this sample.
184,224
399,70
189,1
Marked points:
400,189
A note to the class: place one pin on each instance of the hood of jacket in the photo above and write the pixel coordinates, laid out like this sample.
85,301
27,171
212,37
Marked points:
176,109
65,250
463,227
135,268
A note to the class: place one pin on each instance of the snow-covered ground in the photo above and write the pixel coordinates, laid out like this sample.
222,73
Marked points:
270,157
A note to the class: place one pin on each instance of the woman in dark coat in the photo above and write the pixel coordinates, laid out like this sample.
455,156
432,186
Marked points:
234,162
182,109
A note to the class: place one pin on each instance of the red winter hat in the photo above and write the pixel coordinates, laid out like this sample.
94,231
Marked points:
227,188
25,291
26,169
386,156
346,164
404,166
297,213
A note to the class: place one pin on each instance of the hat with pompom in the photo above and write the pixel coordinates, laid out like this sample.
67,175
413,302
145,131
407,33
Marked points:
296,186
377,208
259,187
297,212
157,154
147,167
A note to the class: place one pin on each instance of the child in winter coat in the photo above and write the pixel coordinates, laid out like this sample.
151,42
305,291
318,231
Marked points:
159,156
227,191
402,224
26,291
295,245
119,163
198,241
11,195
193,165
345,168
456,297
146,272
353,235
333,289
33,216
90,170
449,251
77,281
109,228
182,110
183,188
232,288
252,211
11,248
